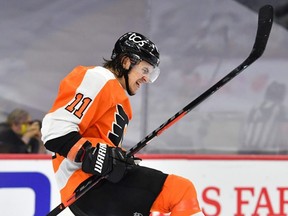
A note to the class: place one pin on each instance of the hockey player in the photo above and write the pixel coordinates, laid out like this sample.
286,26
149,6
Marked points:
85,129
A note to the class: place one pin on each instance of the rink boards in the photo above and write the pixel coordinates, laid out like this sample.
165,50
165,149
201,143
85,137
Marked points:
226,185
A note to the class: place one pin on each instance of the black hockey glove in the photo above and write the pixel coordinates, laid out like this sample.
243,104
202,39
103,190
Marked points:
104,160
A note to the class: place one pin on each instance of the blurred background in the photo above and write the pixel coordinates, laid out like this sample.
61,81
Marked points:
200,41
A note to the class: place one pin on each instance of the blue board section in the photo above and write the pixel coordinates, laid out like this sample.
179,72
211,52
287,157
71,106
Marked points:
36,181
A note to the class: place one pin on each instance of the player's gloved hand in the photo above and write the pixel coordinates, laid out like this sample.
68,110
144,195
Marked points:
104,160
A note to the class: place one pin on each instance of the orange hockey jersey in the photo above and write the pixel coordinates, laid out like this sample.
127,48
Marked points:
91,102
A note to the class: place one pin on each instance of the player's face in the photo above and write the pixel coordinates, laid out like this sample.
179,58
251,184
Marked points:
139,74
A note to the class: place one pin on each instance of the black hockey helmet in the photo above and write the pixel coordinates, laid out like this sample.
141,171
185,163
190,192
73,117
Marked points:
139,46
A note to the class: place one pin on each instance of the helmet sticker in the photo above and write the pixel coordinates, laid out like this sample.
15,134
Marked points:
137,39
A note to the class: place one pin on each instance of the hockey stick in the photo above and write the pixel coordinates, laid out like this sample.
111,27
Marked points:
265,20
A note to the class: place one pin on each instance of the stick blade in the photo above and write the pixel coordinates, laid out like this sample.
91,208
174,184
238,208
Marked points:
265,20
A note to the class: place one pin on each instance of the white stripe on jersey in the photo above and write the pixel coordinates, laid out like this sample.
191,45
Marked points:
66,169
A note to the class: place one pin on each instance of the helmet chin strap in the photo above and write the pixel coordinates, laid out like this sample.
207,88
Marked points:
126,77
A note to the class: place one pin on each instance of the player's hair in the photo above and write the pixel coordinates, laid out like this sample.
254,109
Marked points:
116,64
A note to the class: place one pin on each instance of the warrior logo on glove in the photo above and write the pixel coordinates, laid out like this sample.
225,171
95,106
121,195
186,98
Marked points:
100,157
